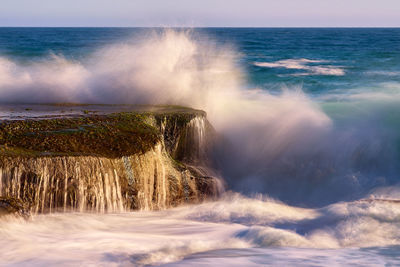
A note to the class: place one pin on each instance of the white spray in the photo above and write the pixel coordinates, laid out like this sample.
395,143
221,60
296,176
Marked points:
267,134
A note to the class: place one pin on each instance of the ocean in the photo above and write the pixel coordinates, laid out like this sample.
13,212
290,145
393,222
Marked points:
311,162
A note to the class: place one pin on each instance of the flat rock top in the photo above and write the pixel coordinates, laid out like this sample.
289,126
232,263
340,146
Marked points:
71,129
70,110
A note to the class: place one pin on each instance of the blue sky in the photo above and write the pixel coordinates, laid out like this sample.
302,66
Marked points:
200,13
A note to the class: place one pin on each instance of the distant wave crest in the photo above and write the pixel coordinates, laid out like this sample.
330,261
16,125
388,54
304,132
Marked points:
304,64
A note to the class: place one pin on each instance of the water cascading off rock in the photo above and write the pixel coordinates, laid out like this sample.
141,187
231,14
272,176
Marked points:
136,160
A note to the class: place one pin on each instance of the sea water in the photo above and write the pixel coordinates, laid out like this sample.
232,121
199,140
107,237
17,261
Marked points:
311,163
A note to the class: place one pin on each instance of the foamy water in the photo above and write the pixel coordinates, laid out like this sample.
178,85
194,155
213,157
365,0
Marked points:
328,148
304,64
234,231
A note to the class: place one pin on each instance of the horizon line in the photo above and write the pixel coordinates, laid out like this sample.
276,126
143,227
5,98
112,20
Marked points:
211,27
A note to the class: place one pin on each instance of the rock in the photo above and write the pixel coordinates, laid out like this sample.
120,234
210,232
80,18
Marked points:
13,206
141,158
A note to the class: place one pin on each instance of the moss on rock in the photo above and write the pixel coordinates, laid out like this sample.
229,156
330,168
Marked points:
110,135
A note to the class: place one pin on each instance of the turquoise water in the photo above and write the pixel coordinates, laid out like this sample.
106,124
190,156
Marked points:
311,123
367,56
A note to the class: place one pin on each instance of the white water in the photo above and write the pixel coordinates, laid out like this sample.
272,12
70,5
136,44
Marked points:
235,231
175,67
285,144
304,64
268,135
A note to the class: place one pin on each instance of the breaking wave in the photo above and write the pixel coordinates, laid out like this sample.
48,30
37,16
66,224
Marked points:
234,224
304,64
301,150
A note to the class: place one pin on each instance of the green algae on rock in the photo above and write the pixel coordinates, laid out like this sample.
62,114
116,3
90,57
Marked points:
109,135
112,135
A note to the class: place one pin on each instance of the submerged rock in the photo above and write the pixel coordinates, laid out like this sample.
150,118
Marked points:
139,159
13,206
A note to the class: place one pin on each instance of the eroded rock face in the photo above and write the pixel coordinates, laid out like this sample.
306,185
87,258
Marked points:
87,183
170,170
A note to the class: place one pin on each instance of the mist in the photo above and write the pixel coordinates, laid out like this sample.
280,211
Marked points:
282,144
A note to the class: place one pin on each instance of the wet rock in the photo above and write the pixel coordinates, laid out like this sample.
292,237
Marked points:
146,160
13,206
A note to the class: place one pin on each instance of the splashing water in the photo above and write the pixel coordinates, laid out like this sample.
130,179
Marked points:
249,230
326,152
302,150
173,67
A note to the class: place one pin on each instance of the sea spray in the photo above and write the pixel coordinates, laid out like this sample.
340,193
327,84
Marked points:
337,140
283,144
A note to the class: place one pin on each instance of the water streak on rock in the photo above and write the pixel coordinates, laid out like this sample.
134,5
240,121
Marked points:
150,181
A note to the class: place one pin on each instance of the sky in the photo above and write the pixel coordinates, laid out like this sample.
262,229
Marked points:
201,13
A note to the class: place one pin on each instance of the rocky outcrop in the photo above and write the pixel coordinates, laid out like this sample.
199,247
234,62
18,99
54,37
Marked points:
135,160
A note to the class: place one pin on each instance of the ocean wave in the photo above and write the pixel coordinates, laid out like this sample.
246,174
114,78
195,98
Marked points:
383,73
236,223
282,144
304,64
235,208
383,92
362,223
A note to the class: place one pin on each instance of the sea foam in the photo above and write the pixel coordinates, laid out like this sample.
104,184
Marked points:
234,226
304,64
